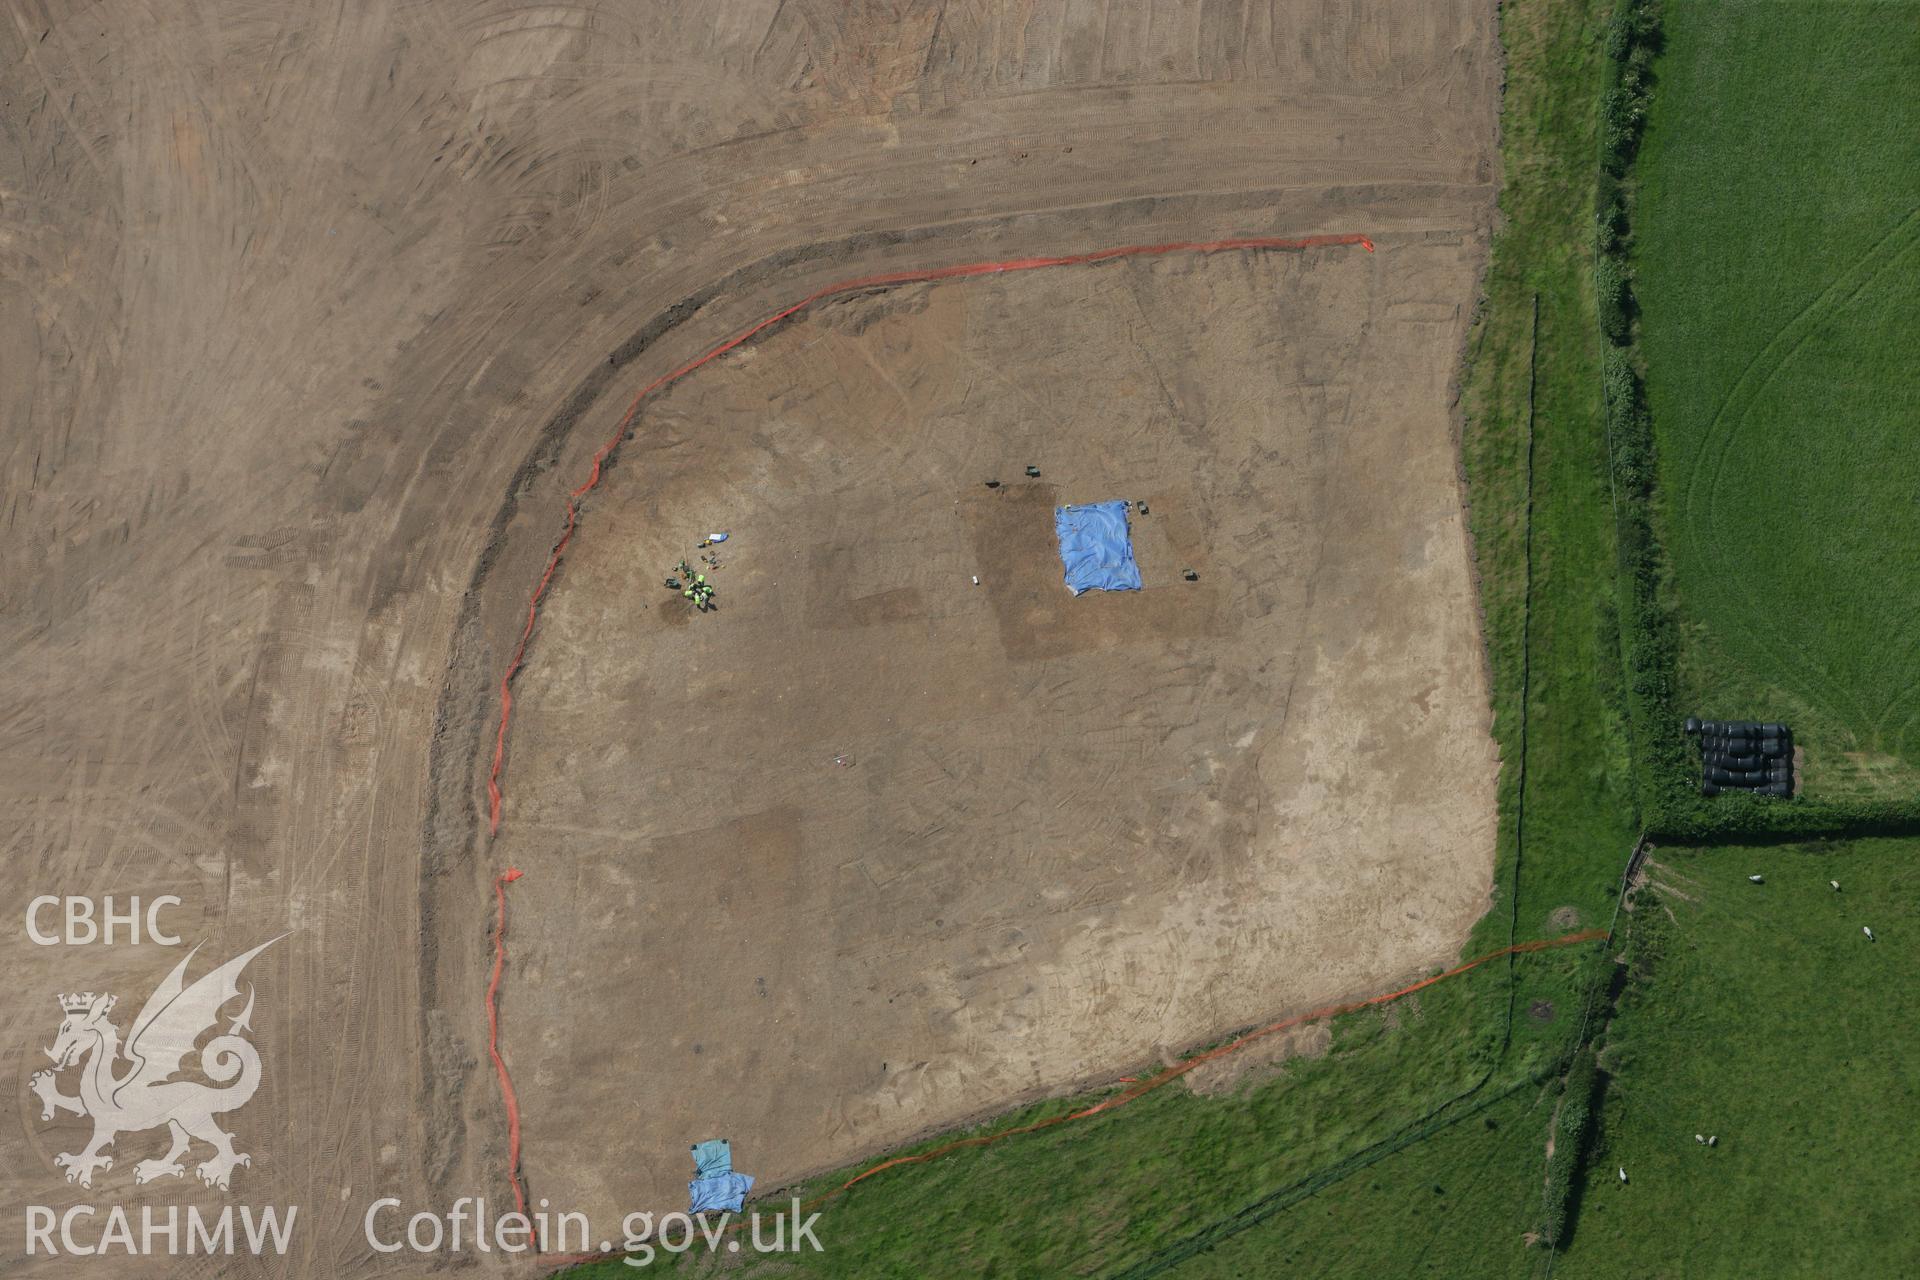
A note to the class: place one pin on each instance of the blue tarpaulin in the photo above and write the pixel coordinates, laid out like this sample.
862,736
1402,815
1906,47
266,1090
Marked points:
713,1157
717,1186
1096,548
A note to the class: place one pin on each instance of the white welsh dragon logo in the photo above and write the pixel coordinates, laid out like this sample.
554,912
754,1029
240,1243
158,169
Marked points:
144,1095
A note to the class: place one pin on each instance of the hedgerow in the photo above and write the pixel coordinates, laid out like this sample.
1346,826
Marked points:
1572,1137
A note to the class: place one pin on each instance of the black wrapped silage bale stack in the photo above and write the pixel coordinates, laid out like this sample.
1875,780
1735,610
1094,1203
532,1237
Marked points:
1744,755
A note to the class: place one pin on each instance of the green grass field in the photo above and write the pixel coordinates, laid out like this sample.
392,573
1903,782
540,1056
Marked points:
1759,1014
1458,1204
1762,1015
1777,267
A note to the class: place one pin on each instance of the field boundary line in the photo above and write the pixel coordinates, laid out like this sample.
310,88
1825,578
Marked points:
1634,857
1279,1201
1526,670
883,280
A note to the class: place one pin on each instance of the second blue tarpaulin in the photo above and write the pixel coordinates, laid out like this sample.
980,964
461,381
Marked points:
717,1187
1096,547
724,1194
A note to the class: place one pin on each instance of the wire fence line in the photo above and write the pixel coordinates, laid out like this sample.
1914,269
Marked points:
1463,1104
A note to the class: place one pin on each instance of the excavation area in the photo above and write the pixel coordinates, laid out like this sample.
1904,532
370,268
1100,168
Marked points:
870,847
310,324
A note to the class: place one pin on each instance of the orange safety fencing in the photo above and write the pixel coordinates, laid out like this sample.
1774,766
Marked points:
507,1097
883,281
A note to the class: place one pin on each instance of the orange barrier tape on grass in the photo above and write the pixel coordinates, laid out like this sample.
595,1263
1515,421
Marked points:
883,281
